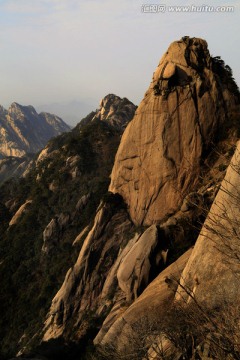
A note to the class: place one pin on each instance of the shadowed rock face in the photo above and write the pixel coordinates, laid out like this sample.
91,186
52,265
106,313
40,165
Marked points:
115,111
159,158
82,288
76,164
12,166
212,272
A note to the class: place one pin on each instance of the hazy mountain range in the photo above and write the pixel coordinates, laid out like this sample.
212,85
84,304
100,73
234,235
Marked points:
71,112
23,130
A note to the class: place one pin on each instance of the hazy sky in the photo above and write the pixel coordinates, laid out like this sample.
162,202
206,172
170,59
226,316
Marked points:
77,51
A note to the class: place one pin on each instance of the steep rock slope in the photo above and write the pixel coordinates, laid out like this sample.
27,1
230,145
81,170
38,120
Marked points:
113,261
115,111
153,302
219,240
170,163
203,285
82,288
42,214
12,166
23,130
187,108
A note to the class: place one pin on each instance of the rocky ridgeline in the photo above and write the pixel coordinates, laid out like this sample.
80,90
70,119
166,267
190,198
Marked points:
24,131
48,212
137,257
168,169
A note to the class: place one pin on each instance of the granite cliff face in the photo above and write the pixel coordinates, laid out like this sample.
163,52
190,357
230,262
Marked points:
105,262
23,130
182,115
205,278
168,169
219,240
113,110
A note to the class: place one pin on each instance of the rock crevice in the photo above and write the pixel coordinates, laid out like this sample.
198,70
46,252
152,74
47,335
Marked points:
187,111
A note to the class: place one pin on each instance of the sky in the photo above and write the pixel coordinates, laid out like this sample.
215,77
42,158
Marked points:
63,56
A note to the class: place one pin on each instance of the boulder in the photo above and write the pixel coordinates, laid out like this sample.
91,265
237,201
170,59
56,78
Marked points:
153,302
53,230
133,273
82,202
22,210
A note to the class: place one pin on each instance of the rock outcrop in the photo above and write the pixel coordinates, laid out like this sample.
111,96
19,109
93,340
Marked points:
212,272
53,231
154,302
168,175
115,111
22,210
186,110
81,290
23,130
130,252
207,275
133,273
66,183
13,166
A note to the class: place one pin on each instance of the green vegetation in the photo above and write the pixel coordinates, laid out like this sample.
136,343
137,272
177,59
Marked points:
225,74
79,163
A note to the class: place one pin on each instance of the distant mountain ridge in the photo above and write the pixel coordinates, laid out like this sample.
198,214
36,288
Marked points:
67,179
23,130
72,111
14,161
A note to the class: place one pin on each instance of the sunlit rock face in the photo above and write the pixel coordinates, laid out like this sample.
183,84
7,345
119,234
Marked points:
129,256
187,110
159,158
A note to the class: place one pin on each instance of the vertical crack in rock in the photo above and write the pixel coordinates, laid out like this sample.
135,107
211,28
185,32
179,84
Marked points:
182,129
195,101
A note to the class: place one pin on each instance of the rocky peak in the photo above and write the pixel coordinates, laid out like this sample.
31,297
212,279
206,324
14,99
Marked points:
187,108
188,51
108,101
115,110
16,108
3,111
25,131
